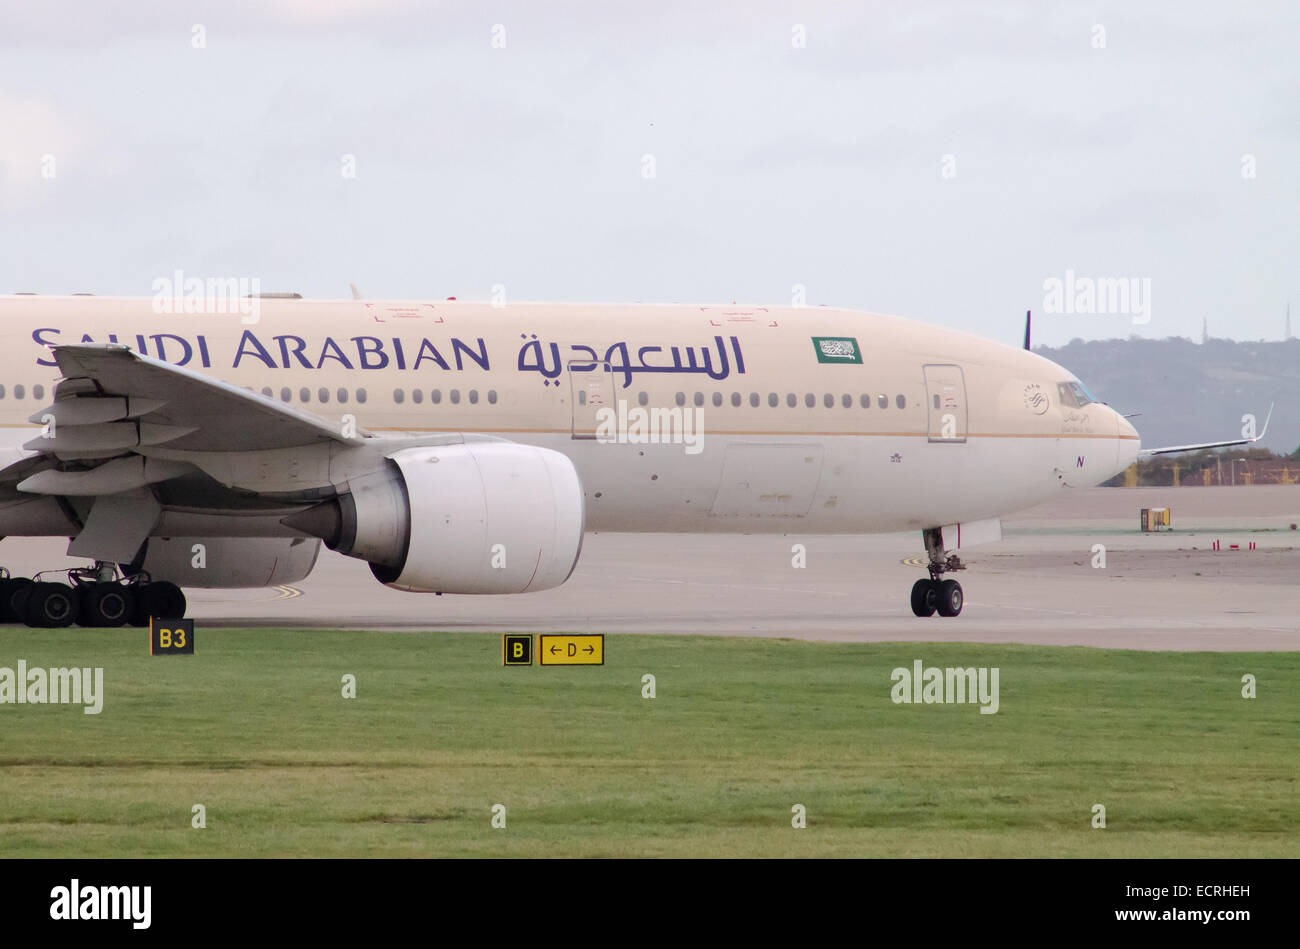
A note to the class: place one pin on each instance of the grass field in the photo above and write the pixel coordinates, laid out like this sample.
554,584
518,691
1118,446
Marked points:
255,728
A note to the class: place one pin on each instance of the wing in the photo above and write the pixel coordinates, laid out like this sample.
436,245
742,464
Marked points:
129,437
1204,445
113,400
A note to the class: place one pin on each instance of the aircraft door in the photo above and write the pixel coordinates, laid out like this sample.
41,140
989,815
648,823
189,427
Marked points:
590,391
945,403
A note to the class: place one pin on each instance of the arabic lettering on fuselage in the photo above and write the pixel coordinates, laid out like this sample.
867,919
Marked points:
548,359
286,351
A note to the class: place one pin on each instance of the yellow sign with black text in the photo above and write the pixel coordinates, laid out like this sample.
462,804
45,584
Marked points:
171,637
579,649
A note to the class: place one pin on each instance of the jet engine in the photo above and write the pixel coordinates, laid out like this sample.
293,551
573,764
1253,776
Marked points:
480,517
226,562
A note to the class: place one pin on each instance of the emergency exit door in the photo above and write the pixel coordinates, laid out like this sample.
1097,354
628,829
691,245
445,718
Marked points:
945,402
591,390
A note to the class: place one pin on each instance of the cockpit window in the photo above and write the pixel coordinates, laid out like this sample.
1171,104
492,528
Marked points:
1074,394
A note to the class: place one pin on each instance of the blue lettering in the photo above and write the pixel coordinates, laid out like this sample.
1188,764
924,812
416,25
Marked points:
336,354
364,352
433,354
36,335
481,357
158,342
256,349
299,345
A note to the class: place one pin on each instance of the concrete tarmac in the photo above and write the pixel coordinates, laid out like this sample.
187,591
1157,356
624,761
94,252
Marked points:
1039,585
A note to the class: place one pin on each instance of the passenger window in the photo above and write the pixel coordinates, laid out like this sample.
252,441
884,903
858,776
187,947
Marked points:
866,401
266,391
399,396
717,399
304,394
642,398
735,399
323,394
882,401
286,394
846,400
753,399
791,400
473,396
361,395
435,396
454,395
680,398
341,394
699,398
936,400
773,400
492,396
900,401
417,396
20,391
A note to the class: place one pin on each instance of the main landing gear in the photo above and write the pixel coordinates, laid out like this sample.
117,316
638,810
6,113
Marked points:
936,595
93,596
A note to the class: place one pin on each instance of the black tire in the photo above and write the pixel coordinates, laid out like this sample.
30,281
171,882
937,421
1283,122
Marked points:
162,599
7,586
924,598
17,594
52,605
106,604
950,598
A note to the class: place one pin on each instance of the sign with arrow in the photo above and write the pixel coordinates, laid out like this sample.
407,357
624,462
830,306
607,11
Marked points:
577,649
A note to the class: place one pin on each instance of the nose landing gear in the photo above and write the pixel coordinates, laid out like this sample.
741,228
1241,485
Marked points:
936,595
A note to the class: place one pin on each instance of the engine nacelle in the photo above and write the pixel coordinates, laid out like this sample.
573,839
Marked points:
227,562
476,517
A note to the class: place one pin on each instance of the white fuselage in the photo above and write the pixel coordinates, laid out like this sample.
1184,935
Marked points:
787,419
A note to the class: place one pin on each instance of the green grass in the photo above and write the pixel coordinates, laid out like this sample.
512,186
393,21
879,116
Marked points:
254,727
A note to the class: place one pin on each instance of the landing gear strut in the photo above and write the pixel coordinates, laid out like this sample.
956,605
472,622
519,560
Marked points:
935,594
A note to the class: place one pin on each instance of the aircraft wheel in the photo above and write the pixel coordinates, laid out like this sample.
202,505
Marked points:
106,604
7,586
52,605
950,598
157,599
924,598
16,593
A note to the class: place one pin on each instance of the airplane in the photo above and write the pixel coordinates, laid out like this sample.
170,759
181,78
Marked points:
463,447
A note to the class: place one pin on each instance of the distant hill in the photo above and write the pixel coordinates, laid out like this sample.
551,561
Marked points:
1192,392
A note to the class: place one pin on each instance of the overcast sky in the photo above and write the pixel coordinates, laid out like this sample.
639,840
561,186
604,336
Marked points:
935,160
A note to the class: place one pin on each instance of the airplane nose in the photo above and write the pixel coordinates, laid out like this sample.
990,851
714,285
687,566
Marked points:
1129,443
